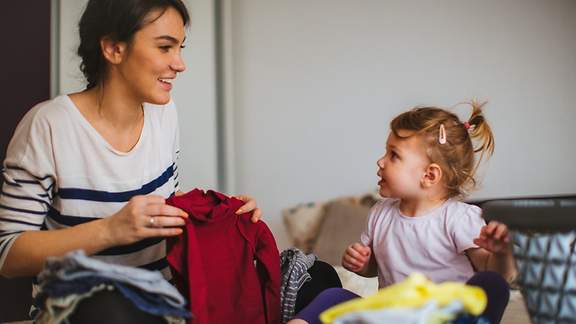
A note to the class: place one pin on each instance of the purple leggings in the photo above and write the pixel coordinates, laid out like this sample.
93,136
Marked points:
496,288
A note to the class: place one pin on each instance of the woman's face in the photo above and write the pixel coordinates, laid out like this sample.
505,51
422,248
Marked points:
153,58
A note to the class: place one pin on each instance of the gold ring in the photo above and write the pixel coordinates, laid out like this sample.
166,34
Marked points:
151,221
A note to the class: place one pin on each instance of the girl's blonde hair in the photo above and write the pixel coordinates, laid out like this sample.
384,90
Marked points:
456,156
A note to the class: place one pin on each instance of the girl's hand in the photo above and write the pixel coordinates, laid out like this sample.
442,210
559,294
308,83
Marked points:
144,217
494,237
250,205
356,257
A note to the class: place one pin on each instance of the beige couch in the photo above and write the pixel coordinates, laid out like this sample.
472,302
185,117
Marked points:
327,228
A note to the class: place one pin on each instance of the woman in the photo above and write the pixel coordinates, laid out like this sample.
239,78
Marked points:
91,170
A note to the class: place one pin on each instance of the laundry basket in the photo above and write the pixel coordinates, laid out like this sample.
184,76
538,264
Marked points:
543,233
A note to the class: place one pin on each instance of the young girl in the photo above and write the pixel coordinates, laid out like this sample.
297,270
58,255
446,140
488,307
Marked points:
420,225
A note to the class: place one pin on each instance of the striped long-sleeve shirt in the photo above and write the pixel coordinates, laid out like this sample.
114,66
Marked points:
60,172
294,265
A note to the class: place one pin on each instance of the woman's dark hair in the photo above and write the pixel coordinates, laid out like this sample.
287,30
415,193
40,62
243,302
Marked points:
119,20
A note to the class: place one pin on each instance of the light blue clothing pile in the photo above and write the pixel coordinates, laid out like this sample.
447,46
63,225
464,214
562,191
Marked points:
68,280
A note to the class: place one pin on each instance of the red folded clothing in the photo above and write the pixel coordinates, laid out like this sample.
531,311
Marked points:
227,266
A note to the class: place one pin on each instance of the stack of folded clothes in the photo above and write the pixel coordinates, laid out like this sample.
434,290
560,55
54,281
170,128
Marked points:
66,281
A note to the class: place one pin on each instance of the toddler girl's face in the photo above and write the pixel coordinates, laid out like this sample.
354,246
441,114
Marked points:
403,166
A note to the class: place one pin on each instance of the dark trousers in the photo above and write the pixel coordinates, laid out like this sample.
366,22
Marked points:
496,288
111,307
323,277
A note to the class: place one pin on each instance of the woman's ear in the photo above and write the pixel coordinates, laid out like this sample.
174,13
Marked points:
432,175
113,51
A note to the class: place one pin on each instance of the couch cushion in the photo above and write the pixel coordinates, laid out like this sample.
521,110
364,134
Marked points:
303,224
342,225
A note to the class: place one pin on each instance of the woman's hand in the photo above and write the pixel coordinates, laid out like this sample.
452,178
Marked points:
356,257
494,237
144,217
249,205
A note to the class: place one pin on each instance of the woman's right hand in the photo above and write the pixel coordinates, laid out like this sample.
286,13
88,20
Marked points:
144,217
356,257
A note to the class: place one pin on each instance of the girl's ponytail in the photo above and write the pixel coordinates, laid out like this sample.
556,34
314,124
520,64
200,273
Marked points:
480,132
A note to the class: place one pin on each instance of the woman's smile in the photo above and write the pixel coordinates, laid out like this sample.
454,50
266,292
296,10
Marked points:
165,83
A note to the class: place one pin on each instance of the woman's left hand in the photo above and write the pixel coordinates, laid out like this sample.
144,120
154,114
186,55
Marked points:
249,206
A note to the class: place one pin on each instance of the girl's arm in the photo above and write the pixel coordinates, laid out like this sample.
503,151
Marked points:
494,252
484,260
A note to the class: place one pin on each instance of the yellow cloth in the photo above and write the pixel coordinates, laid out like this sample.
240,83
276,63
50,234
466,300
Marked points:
413,292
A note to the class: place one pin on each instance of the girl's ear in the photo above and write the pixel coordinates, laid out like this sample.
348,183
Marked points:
113,51
432,175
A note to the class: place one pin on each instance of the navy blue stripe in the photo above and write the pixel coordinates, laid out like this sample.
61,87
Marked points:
156,265
22,169
2,248
36,182
105,196
10,233
18,221
12,183
27,181
68,220
23,198
6,243
119,250
33,212
132,248
44,195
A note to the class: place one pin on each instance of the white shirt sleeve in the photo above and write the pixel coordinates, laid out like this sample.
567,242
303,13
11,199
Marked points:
367,235
29,181
466,225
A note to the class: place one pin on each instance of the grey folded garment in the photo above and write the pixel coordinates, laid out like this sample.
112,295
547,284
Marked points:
294,265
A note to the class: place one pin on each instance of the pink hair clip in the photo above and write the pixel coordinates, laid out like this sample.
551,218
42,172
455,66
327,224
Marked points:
442,135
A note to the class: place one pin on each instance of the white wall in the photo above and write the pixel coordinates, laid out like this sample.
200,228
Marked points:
71,79
316,83
194,91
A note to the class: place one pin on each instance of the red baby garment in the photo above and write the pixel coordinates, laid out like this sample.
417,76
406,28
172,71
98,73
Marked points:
227,266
